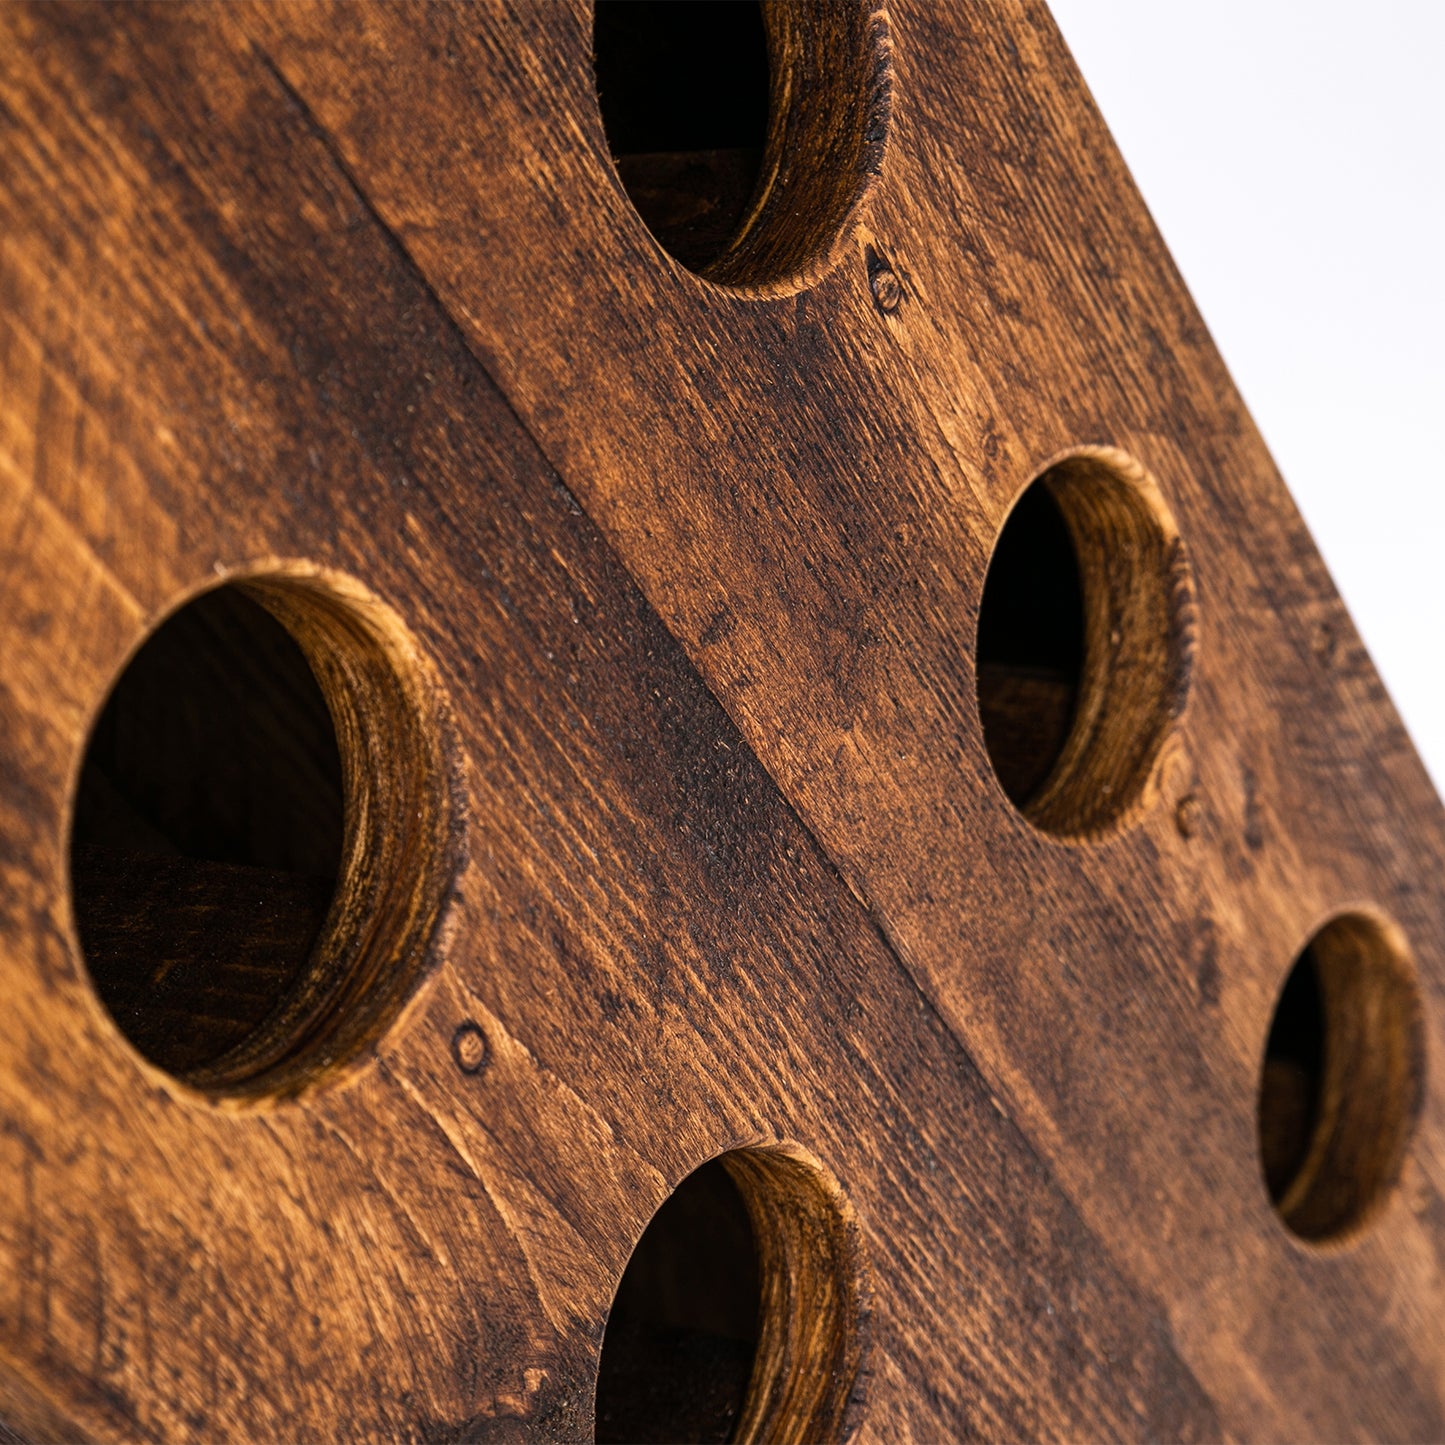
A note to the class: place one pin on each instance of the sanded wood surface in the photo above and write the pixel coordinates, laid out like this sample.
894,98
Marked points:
721,861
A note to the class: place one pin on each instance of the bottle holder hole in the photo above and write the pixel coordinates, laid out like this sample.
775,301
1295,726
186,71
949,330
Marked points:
1084,643
745,135
737,1317
1341,1080
258,833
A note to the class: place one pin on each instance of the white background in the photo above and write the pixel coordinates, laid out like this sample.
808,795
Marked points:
1293,154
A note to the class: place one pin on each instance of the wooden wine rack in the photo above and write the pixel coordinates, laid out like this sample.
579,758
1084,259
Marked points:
763,680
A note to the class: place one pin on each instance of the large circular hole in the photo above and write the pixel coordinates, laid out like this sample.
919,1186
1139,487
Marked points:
1342,1077
745,134
1084,642
259,835
738,1317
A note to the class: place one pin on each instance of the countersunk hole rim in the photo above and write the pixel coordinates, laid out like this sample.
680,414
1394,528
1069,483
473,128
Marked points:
383,926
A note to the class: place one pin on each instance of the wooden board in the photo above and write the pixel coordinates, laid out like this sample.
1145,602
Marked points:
698,574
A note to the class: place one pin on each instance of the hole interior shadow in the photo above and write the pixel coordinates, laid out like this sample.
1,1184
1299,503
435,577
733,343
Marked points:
1289,1096
1030,644
684,95
208,830
683,1331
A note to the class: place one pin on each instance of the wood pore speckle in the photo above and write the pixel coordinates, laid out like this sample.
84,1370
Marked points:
647,619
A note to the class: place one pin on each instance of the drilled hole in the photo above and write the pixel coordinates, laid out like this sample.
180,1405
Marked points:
1084,643
737,1318
1341,1080
258,836
746,135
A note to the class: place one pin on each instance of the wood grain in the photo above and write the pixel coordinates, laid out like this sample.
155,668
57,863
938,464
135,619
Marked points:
696,573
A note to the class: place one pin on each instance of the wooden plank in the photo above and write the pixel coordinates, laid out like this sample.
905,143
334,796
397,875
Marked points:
831,471
659,958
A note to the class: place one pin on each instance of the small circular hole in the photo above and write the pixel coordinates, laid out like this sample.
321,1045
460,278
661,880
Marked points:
1340,1085
1084,643
737,1318
746,135
259,834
